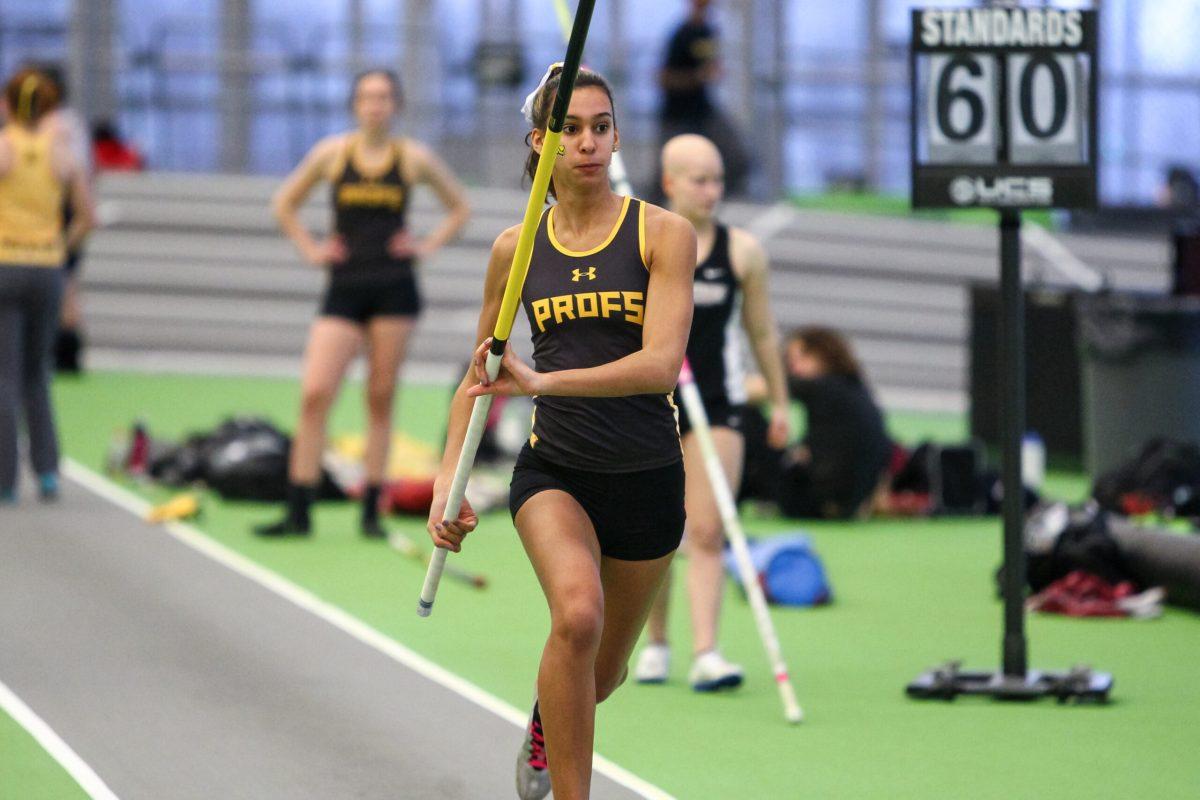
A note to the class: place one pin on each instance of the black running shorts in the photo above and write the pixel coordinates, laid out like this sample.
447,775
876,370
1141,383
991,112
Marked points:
720,415
638,516
359,299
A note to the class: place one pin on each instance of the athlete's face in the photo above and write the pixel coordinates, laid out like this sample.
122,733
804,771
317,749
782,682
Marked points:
588,140
696,186
802,362
374,102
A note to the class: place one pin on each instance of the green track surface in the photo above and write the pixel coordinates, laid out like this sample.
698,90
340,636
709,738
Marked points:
27,771
909,594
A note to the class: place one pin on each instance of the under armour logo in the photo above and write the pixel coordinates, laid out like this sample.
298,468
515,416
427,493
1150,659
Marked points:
590,274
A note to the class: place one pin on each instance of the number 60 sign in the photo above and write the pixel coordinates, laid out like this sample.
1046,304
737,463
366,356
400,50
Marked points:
1004,107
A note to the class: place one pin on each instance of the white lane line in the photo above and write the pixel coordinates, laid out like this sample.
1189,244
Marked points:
53,744
361,631
772,221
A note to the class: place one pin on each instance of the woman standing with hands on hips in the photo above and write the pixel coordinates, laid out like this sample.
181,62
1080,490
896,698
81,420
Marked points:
597,491
372,298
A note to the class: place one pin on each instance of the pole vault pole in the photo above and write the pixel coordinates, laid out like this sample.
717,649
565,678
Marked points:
512,290
737,540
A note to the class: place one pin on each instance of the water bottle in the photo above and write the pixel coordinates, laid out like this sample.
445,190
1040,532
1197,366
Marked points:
1033,461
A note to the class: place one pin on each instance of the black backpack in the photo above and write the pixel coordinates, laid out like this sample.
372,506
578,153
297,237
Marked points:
1164,477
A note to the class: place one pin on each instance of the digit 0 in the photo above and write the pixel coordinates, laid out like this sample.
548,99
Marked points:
1059,81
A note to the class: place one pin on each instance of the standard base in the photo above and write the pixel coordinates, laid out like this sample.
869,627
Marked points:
949,681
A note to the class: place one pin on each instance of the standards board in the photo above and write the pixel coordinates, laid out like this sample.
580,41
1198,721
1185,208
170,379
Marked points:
1003,108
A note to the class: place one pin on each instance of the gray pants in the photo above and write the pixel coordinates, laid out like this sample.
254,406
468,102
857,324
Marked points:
29,307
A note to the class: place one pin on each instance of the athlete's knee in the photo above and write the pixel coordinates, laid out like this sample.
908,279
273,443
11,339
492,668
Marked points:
607,684
577,621
316,399
379,399
705,535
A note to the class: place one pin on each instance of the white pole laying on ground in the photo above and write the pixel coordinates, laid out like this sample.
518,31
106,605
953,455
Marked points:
737,540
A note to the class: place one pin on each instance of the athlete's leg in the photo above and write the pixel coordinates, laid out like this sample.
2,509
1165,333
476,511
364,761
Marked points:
332,344
705,536
561,544
387,343
656,625
41,324
12,329
629,591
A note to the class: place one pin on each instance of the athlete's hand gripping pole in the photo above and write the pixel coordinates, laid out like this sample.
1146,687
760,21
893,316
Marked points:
512,290
737,540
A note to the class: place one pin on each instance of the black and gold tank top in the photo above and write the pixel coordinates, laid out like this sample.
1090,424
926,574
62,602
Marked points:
586,309
368,211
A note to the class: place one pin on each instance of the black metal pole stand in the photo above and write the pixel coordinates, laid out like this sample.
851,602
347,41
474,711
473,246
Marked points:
1012,359
1014,681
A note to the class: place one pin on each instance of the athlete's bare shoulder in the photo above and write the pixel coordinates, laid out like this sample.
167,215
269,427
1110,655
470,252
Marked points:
746,252
325,155
661,221
331,146
505,245
666,236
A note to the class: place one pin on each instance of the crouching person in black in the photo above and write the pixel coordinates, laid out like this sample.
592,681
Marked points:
833,472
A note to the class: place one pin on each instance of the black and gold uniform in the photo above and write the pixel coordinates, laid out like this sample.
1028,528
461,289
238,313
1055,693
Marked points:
619,457
715,343
368,211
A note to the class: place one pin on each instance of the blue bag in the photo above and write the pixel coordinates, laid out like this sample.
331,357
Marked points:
789,570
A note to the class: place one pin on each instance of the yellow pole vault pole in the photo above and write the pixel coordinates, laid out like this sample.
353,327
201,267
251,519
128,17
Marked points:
512,290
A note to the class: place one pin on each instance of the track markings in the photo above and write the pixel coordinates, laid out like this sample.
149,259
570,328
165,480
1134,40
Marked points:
335,616
53,744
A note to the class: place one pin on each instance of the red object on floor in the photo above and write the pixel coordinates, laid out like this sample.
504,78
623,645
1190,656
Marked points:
1081,594
407,496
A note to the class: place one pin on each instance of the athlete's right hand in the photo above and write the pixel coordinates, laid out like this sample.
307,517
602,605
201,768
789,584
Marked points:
449,534
329,252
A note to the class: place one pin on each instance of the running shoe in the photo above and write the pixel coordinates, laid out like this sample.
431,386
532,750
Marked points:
533,776
373,529
654,664
711,672
48,487
285,527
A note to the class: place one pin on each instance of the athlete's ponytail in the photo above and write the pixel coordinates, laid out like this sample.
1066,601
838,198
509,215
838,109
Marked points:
543,100
30,95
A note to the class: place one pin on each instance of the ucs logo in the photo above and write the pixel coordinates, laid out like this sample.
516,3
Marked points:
1017,191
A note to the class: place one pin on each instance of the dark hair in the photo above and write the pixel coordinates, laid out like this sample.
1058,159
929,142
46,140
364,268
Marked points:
31,96
544,102
390,75
831,348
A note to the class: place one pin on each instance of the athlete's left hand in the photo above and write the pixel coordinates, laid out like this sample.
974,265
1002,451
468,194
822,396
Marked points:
515,378
780,428
403,244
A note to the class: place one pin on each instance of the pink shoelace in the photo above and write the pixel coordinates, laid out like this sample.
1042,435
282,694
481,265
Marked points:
537,745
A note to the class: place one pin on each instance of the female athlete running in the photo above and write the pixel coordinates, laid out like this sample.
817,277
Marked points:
597,492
